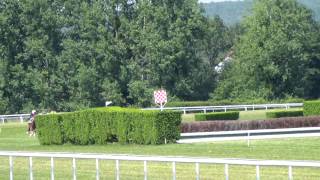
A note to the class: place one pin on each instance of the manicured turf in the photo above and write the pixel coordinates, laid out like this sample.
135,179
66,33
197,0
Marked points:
244,115
13,138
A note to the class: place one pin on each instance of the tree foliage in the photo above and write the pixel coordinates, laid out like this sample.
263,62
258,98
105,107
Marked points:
275,55
65,54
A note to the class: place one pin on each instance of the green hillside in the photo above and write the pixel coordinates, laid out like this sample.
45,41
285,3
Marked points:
233,11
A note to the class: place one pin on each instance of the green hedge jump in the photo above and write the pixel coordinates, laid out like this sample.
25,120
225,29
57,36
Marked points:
311,108
107,125
217,116
284,113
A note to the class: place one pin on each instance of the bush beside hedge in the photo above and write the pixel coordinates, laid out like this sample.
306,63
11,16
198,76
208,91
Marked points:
217,116
210,126
105,125
284,113
311,108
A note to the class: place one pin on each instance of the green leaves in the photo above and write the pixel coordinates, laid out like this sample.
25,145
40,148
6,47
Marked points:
272,56
66,55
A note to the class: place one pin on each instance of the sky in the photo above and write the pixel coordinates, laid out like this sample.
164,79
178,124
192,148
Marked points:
207,1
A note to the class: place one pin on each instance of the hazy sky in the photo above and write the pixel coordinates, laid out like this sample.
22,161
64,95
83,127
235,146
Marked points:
206,1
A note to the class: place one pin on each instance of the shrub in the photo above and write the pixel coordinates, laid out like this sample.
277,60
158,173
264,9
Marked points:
50,129
288,122
217,116
284,113
311,108
103,125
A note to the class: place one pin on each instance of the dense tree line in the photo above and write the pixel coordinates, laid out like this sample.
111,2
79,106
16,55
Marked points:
65,55
69,54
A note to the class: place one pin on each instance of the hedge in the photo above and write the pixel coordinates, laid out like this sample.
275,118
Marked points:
288,122
311,108
284,113
217,116
107,125
45,130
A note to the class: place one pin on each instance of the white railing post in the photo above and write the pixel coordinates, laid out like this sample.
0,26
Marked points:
205,111
225,109
290,173
145,170
184,111
97,169
74,168
173,160
2,119
11,167
52,169
30,168
257,172
21,119
174,170
197,171
226,171
117,170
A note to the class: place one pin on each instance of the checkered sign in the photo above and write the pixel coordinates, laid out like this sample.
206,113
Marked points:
160,96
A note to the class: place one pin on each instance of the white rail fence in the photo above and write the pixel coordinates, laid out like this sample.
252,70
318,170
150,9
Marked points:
146,159
249,134
14,117
253,107
205,109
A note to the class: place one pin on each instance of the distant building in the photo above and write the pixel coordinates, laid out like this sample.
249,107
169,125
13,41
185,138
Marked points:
228,58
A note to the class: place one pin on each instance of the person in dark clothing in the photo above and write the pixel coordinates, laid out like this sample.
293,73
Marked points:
32,124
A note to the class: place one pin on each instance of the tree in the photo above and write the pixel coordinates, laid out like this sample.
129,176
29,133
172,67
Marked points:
66,55
312,74
273,54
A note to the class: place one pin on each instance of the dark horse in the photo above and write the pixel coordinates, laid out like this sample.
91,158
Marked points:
32,124
32,128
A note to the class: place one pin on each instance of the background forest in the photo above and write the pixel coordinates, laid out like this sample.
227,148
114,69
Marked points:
65,55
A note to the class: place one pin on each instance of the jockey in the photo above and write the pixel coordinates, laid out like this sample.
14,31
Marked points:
31,123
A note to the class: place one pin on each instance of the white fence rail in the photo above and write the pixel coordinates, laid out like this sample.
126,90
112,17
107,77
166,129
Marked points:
22,117
253,107
249,134
14,117
146,159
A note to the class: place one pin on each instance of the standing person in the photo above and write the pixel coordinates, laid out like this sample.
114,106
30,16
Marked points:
31,123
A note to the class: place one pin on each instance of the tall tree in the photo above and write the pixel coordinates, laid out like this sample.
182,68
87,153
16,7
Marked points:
273,54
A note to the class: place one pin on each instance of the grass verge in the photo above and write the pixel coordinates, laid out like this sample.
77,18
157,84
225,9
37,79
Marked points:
244,115
13,138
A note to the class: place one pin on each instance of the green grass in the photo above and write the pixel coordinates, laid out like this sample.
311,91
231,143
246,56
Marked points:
13,138
188,117
253,115
244,115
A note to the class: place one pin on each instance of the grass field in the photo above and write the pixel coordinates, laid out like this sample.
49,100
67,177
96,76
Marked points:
13,138
244,115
